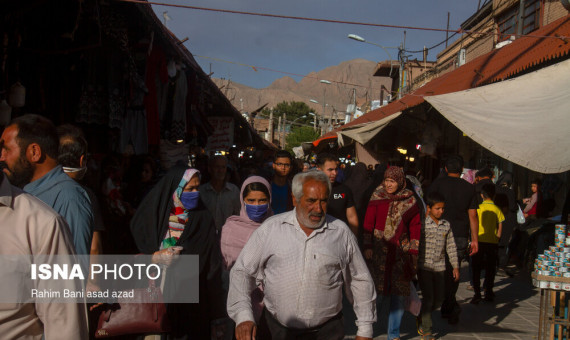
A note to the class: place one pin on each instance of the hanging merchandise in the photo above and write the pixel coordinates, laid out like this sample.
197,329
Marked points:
17,96
5,113
171,68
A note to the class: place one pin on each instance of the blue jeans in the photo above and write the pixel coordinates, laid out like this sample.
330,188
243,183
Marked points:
395,315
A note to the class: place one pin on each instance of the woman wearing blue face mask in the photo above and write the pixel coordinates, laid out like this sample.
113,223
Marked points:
172,214
255,199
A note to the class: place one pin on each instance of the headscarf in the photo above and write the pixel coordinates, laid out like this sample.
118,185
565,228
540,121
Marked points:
178,214
237,229
397,174
400,201
506,179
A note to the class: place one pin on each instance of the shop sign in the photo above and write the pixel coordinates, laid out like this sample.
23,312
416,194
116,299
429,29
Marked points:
223,136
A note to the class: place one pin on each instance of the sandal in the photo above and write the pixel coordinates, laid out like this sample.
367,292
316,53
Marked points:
428,337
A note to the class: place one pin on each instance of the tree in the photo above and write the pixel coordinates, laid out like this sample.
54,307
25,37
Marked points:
293,110
300,135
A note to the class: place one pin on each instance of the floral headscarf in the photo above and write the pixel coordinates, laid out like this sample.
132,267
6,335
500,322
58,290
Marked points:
178,215
400,201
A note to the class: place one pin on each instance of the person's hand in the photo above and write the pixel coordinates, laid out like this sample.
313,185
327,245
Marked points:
474,248
456,274
368,254
95,306
166,256
246,330
92,287
362,338
525,215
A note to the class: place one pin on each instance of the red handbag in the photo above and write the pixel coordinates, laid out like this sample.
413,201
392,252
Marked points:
145,317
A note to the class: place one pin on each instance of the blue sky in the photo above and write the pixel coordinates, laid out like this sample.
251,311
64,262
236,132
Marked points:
301,47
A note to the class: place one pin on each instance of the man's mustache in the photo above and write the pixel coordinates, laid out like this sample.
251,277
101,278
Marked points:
316,214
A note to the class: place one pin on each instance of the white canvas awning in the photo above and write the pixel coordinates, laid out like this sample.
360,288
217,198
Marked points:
365,132
525,120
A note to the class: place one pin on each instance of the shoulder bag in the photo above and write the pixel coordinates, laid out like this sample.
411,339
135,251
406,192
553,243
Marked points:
146,316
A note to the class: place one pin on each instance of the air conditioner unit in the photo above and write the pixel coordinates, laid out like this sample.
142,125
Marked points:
461,57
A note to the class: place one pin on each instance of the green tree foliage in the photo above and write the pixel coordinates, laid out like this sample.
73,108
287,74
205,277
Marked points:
294,110
298,135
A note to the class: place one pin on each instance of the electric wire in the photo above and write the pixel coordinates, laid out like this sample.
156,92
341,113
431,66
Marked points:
256,68
280,16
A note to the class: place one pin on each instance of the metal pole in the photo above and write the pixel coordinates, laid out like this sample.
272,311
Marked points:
447,31
283,130
270,127
520,18
315,122
279,131
400,60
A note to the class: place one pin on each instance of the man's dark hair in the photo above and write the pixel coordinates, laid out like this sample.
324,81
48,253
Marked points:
34,128
536,181
434,198
324,157
72,145
488,191
485,172
282,154
454,164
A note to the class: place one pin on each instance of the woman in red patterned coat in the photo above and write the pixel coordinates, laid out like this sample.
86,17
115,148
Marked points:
391,240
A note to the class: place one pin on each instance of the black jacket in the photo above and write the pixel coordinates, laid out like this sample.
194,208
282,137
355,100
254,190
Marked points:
149,225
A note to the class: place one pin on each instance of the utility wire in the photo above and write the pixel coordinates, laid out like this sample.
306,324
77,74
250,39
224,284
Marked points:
289,17
434,46
256,68
279,16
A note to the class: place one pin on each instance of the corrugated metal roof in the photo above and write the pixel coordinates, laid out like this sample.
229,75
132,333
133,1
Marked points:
542,47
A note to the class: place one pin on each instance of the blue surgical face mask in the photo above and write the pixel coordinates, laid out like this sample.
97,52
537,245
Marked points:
190,199
256,212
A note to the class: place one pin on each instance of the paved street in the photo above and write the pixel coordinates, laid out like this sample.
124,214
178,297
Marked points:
513,315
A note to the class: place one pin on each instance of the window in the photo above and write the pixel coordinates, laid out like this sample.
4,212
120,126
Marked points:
530,18
508,22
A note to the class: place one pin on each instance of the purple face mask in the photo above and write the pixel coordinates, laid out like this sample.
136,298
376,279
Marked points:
256,212
190,199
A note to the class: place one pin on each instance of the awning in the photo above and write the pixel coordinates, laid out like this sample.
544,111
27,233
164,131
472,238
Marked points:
365,132
329,136
525,120
522,55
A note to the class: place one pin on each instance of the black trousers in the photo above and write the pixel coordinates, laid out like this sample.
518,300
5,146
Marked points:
432,285
450,305
270,329
486,258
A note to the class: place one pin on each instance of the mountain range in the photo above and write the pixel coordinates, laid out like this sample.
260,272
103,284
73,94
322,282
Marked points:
344,79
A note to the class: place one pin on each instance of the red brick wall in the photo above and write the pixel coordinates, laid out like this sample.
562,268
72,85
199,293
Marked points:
553,10
479,47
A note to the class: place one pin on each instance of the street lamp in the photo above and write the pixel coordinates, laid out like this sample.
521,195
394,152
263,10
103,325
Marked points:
323,81
294,120
361,39
314,120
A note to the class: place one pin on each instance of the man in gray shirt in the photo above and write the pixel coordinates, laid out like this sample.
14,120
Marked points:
305,259
220,197
29,160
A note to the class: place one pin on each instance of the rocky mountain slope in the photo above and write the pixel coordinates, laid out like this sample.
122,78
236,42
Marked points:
344,78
